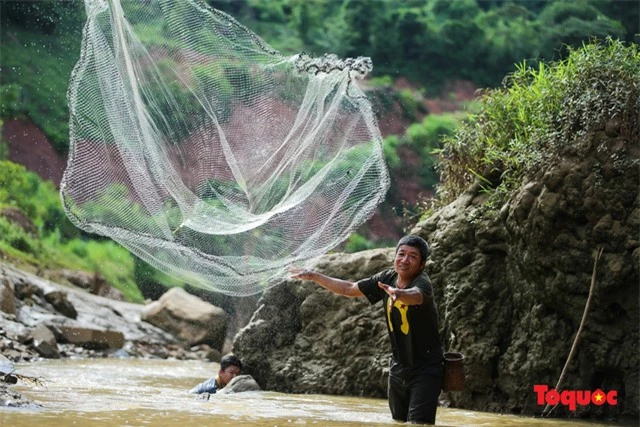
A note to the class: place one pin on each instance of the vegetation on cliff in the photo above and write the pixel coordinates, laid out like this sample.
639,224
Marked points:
540,113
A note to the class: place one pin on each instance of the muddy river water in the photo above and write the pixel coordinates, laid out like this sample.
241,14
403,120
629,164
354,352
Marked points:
128,392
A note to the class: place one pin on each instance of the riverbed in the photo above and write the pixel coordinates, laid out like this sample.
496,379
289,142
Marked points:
137,392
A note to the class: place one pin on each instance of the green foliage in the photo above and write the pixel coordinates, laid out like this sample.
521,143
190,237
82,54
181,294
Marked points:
35,77
539,112
431,41
12,102
58,244
152,282
357,242
411,104
18,188
16,237
568,23
4,147
390,146
49,17
426,138
428,41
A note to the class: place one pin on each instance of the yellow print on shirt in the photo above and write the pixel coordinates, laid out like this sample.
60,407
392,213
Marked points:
402,308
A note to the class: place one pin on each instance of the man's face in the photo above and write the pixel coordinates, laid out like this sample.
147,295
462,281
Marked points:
408,262
228,374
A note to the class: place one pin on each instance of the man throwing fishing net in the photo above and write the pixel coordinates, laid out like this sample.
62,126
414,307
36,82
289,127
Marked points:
415,375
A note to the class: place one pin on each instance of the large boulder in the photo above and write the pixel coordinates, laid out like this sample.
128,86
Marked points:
512,286
92,338
304,339
44,342
59,301
188,317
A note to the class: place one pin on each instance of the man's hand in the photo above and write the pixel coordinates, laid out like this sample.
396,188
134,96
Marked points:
390,290
411,296
301,273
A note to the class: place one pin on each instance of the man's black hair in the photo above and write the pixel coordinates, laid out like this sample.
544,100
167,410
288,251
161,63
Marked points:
417,242
230,360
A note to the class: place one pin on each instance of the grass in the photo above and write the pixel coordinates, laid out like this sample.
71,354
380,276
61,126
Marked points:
57,243
536,114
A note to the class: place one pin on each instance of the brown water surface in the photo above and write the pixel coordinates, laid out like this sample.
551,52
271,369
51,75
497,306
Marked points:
133,392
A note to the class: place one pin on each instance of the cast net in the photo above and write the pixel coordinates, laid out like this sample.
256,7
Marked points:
210,155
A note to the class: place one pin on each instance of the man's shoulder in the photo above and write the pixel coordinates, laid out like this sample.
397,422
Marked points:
208,386
384,276
422,281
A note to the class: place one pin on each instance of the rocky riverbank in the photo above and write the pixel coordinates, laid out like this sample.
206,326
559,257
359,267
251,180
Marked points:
40,318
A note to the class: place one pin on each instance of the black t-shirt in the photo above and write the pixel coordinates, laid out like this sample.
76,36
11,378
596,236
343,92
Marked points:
413,330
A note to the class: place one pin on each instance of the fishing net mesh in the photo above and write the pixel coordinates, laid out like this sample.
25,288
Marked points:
210,155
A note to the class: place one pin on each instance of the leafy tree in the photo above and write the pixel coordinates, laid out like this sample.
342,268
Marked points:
568,23
359,27
49,17
625,12
511,34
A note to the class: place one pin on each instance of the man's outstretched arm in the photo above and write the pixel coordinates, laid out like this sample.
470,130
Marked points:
337,286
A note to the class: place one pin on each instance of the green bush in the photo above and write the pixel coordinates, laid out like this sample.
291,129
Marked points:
357,242
411,104
60,244
426,137
538,113
390,146
17,238
18,188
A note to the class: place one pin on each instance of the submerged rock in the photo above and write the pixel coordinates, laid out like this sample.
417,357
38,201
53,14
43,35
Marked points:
240,384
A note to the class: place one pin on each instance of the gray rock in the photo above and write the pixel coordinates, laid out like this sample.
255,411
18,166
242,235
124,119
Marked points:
44,342
91,282
240,384
92,338
303,339
188,317
101,324
60,302
11,399
7,299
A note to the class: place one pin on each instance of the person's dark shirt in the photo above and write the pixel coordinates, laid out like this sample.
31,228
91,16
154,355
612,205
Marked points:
413,330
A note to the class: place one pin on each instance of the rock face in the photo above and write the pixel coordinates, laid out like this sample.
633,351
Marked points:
514,286
303,339
510,284
92,282
188,317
